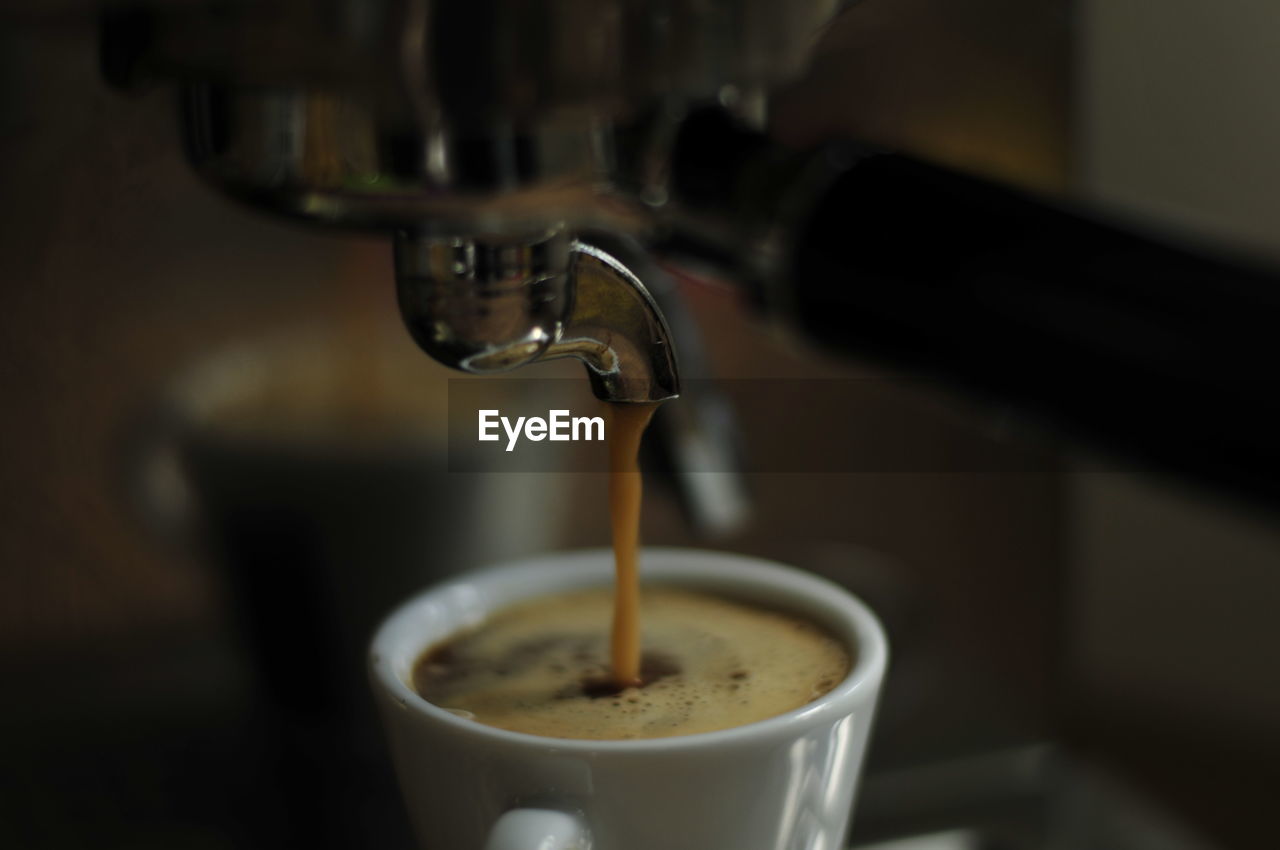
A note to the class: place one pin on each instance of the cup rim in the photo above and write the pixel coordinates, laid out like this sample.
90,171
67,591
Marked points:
691,567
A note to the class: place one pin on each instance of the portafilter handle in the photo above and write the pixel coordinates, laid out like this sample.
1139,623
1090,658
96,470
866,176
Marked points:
1158,350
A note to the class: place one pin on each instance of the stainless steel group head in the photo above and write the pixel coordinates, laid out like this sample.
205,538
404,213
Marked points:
485,134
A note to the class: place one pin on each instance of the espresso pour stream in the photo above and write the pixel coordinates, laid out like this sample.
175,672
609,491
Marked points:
627,423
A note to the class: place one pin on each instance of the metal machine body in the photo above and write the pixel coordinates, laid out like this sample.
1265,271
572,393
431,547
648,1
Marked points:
485,135
490,135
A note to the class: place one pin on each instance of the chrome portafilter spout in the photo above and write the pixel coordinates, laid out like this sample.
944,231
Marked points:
486,304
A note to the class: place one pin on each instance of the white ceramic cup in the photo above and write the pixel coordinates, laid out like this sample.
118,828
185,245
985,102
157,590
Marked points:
784,783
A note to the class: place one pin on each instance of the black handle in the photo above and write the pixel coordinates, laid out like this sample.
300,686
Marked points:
1118,339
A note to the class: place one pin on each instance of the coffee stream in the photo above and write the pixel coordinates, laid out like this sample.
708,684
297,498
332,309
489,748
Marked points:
626,428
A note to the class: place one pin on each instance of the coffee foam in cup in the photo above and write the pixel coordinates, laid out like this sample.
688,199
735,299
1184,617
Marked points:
710,663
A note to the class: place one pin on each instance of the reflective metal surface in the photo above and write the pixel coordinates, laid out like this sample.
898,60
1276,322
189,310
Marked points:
491,304
616,329
330,157
457,120
445,115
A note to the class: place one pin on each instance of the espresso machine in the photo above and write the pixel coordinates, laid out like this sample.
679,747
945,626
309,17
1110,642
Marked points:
498,144
534,165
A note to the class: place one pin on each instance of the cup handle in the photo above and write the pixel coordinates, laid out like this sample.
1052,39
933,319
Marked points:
538,829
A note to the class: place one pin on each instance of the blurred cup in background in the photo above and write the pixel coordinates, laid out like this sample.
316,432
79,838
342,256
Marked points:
311,468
